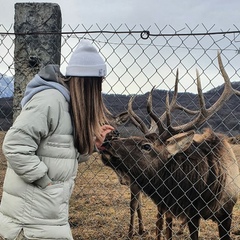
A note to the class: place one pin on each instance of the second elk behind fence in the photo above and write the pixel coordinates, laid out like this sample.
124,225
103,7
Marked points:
187,174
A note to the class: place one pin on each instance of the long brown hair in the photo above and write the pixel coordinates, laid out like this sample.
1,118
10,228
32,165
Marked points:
88,111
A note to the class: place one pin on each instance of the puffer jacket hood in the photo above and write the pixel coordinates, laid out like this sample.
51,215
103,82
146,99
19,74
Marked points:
47,78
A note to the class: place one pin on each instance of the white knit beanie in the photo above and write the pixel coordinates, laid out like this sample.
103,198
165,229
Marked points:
86,61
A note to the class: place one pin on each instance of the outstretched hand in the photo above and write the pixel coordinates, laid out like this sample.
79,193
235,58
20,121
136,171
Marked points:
105,129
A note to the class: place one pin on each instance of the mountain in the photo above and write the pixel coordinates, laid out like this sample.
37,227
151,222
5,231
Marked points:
226,120
6,86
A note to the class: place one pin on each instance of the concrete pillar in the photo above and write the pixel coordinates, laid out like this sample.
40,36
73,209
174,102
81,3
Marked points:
37,43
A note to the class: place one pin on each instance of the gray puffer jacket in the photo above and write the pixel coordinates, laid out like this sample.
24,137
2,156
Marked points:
39,150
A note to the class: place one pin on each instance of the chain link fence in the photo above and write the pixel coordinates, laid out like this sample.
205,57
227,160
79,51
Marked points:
138,59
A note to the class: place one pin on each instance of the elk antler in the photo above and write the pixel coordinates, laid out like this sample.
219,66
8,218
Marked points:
169,107
137,121
157,123
202,115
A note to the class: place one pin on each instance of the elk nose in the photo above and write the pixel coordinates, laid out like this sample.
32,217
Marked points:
112,135
115,133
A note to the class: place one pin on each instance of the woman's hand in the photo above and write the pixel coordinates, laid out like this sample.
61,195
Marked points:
104,130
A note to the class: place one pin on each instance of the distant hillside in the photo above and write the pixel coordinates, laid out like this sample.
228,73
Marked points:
226,120
6,86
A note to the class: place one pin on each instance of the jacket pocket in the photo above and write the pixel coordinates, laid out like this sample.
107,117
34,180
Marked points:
49,203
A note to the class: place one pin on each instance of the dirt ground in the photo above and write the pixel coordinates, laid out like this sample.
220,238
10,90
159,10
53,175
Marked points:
99,207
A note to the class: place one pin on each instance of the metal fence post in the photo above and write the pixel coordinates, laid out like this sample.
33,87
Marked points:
37,28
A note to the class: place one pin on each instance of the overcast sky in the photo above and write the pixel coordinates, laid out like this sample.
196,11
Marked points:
223,15
164,12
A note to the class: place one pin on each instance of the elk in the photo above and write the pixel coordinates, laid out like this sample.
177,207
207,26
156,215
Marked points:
136,200
187,174
135,204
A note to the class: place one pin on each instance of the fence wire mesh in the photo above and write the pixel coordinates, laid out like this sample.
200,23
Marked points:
139,59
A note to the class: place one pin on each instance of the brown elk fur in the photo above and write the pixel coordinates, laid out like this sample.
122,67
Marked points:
189,175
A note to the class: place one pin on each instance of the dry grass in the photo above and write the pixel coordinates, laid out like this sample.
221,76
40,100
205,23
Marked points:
99,207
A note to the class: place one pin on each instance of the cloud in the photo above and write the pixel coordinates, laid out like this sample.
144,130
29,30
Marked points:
177,13
169,17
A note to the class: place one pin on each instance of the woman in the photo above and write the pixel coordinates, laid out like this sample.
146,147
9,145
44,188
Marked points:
63,120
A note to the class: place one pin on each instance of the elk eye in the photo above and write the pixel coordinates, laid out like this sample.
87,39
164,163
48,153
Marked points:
147,147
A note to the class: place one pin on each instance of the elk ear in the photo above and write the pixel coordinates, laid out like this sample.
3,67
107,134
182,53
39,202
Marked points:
179,143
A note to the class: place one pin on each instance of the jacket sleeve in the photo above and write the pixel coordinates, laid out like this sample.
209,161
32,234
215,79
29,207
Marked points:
21,143
83,157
